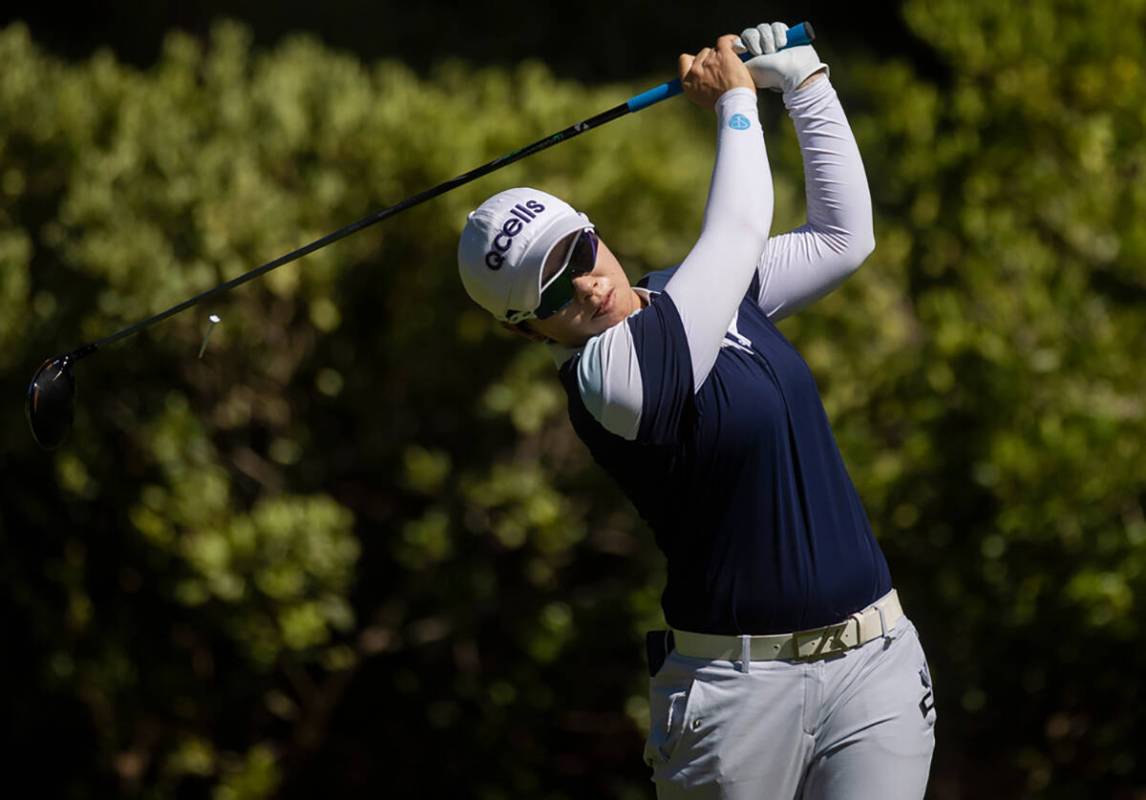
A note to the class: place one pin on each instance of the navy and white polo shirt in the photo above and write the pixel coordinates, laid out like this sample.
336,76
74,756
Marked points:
709,419
742,482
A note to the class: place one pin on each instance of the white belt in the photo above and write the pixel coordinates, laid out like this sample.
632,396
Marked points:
859,628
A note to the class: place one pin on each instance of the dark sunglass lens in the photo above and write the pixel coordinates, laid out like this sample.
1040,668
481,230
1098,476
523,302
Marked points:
582,259
584,256
556,295
51,402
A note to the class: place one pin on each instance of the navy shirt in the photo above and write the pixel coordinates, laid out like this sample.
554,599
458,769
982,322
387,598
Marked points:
741,480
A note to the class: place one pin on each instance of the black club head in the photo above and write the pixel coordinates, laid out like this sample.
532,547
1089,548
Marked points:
51,401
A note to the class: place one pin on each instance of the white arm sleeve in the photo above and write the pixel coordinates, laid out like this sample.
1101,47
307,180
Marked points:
803,265
642,363
711,281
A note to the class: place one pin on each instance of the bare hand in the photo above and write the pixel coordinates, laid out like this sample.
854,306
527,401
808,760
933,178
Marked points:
711,73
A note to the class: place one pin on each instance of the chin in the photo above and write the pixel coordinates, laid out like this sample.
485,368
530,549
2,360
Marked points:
603,323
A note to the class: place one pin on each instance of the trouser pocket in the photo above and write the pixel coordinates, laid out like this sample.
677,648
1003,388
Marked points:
672,700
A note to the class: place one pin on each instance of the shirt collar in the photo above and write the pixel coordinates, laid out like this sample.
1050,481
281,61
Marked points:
561,353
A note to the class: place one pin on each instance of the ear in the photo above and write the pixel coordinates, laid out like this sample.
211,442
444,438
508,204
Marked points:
525,330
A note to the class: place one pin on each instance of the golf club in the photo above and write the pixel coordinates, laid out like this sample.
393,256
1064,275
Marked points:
51,394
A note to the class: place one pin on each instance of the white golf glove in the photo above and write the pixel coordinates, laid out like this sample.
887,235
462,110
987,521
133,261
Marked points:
773,68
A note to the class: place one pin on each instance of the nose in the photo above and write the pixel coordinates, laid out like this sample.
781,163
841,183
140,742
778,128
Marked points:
584,286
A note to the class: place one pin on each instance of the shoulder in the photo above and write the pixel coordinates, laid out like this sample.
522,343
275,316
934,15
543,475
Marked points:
656,281
608,379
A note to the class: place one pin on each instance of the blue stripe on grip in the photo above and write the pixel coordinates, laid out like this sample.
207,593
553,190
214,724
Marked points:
797,35
662,92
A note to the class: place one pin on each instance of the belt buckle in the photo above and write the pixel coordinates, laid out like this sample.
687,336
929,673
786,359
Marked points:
831,641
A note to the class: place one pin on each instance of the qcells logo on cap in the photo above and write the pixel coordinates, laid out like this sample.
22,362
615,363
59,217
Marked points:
739,122
520,216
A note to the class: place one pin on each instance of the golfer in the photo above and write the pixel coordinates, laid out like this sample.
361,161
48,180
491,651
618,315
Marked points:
791,670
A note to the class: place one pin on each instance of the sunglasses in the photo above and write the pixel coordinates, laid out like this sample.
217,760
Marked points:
557,289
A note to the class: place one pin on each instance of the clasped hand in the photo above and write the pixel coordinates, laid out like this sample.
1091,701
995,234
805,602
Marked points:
710,73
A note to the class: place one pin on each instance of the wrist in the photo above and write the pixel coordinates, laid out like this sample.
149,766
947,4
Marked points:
812,85
737,95
819,74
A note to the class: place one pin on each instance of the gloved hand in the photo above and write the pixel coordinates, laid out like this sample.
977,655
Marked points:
773,68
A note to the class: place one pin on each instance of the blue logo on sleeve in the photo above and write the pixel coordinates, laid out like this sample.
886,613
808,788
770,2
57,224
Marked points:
739,122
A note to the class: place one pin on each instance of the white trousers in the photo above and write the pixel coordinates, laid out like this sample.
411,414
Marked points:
856,726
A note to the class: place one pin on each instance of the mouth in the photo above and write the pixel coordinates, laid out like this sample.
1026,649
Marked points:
606,305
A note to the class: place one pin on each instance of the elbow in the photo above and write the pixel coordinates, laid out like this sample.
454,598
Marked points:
864,246
856,249
741,237
754,229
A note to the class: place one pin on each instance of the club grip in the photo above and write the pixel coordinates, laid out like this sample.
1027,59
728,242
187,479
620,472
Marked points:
797,35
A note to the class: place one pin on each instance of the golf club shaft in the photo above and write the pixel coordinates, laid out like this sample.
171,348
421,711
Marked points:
797,35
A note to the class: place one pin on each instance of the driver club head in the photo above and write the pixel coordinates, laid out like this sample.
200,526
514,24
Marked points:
51,401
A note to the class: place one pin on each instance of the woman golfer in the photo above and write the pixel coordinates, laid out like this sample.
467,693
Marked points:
793,671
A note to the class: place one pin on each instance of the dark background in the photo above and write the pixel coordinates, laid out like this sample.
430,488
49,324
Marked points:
589,41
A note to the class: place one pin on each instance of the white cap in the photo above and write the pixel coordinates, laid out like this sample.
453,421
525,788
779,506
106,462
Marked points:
504,246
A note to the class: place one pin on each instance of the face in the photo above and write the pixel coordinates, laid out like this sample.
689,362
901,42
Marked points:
602,297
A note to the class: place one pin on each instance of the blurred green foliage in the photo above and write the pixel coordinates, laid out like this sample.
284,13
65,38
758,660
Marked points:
357,549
